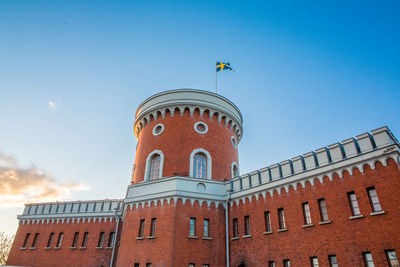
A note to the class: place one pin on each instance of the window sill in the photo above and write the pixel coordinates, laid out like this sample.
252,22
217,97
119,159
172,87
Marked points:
82,248
22,248
33,248
99,247
151,237
282,230
206,238
267,233
47,248
246,236
109,247
325,222
377,213
57,248
139,238
192,237
235,238
72,248
356,217
308,225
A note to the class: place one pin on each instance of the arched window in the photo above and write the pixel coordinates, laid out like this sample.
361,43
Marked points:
235,170
154,165
154,172
200,166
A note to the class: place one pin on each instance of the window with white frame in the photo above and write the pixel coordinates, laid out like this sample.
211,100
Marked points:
200,164
154,165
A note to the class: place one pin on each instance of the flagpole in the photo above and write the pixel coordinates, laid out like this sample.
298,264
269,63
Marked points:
216,76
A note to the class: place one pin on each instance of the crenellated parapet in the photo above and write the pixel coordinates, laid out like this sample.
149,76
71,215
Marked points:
366,149
71,211
177,101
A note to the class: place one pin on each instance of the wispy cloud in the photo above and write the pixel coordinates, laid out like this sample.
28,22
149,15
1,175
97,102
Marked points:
52,104
19,185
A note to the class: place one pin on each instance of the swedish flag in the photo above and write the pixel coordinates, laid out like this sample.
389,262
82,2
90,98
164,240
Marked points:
223,66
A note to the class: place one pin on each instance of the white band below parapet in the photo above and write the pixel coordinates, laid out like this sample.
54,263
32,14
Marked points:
26,220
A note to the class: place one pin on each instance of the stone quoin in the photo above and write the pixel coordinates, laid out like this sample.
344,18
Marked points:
188,205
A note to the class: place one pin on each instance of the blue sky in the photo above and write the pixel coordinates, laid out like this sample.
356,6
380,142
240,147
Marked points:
308,74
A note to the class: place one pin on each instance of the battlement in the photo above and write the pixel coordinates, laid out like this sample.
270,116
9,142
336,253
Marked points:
72,209
319,163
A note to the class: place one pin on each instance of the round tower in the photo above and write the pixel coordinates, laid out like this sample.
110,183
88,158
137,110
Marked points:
187,132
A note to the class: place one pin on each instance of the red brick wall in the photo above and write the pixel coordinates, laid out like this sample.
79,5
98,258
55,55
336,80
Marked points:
64,256
345,238
172,247
178,141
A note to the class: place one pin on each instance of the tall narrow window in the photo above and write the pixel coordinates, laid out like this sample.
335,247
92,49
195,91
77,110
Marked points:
368,261
314,262
267,221
235,170
141,228
85,239
111,240
200,166
153,227
333,261
271,264
35,238
392,258
206,228
281,216
75,241
286,263
235,228
59,240
154,172
353,203
26,240
192,227
247,225
101,240
51,237
306,213
373,199
322,210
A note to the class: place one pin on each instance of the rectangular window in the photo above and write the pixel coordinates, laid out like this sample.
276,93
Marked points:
192,227
353,203
59,241
141,228
392,258
286,263
101,240
306,213
206,228
26,240
111,240
75,241
267,221
153,227
368,261
373,199
192,265
137,265
35,238
314,262
322,210
247,225
235,227
51,237
84,240
148,264
281,216
333,261
206,265
271,264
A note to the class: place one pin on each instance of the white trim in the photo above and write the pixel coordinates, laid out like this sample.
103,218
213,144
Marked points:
232,173
154,129
200,122
209,166
234,142
147,170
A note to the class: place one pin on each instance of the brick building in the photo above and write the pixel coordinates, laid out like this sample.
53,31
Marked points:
187,205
